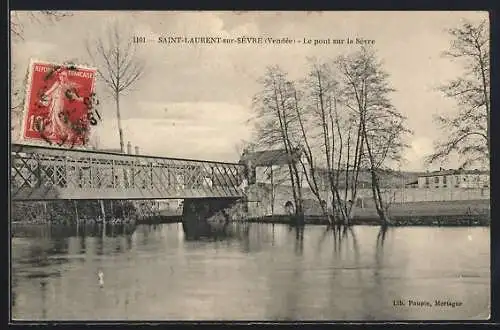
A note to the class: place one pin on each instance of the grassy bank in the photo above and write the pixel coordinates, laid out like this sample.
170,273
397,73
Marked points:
439,213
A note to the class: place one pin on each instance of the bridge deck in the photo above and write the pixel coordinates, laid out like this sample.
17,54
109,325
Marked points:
43,173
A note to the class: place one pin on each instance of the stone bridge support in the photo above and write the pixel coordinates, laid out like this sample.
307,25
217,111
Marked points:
204,217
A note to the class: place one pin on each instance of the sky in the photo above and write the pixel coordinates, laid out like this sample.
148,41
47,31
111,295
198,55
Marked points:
194,101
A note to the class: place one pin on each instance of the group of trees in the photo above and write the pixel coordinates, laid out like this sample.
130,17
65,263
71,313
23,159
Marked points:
338,118
113,53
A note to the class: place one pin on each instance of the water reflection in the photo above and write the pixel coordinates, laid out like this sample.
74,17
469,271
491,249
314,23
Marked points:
258,271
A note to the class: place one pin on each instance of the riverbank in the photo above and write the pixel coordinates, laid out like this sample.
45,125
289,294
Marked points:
441,213
396,221
74,212
435,213
430,220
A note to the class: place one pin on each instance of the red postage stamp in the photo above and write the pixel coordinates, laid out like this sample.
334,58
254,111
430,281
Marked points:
59,104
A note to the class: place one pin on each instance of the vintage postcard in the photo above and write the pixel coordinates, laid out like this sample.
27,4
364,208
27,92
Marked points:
250,166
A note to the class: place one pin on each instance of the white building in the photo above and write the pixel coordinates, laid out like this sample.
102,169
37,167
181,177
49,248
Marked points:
454,179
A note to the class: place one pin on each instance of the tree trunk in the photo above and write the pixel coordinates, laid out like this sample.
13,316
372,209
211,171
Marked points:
272,191
342,208
485,88
377,198
299,207
119,120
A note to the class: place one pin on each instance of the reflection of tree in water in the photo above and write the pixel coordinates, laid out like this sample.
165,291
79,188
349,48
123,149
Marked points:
293,293
128,240
344,240
241,233
292,286
299,240
100,245
43,291
341,235
250,237
103,233
57,231
381,236
379,251
83,243
273,235
379,254
378,288
145,231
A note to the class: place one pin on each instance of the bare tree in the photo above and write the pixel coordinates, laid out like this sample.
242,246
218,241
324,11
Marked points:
468,128
381,125
311,109
308,164
276,124
332,142
19,19
119,66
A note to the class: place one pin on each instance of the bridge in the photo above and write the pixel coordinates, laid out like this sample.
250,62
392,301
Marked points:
44,173
41,173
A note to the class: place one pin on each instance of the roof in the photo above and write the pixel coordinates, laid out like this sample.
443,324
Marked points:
453,172
268,157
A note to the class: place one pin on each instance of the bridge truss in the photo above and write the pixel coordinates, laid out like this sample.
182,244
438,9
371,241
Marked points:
44,173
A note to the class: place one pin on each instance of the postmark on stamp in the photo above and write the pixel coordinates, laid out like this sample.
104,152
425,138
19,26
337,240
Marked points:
60,105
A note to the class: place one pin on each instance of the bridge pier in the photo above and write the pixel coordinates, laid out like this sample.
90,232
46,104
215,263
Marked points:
204,217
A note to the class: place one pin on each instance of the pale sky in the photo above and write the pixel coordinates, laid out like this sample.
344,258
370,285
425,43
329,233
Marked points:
194,100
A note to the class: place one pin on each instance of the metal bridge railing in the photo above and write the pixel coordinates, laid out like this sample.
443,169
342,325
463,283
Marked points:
44,173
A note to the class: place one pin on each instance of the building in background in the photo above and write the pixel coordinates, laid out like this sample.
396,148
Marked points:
272,191
270,166
454,179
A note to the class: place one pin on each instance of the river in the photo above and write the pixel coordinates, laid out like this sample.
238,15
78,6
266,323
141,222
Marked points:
261,272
